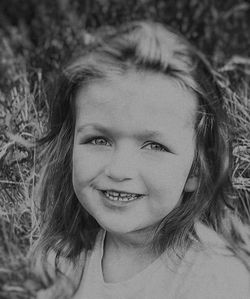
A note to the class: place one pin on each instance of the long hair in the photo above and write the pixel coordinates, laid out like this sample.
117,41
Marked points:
67,228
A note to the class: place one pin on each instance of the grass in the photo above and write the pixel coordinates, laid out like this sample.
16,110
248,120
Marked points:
21,123
31,53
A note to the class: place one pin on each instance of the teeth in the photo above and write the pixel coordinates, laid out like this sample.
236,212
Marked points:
116,196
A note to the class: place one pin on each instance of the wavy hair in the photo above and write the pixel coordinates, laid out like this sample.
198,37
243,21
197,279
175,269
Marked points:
67,228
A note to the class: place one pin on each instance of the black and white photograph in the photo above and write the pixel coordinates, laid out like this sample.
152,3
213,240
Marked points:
124,149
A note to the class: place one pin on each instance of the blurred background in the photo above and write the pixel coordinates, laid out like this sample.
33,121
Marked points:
37,38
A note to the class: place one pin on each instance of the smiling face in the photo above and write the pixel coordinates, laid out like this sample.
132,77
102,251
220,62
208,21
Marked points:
133,149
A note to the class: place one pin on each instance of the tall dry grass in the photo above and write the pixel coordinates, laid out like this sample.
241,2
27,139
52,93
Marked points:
22,121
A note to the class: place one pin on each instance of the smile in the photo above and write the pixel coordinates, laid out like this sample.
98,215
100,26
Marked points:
121,196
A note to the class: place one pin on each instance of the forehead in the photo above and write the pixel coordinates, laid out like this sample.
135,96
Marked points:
139,96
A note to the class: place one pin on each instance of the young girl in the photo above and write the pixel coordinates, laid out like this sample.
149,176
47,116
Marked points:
134,192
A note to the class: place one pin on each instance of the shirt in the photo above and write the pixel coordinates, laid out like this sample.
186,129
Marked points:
207,272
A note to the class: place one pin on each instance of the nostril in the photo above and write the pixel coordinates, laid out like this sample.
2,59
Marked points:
121,165
119,171
116,175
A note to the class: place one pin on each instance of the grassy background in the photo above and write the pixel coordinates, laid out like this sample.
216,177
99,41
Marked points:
37,37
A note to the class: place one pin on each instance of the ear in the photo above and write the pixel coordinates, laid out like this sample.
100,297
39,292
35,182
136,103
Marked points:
191,184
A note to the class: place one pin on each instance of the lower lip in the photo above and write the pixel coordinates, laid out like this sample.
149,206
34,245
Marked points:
118,203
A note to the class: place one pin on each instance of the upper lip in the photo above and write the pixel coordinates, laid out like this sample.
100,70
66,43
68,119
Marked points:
121,191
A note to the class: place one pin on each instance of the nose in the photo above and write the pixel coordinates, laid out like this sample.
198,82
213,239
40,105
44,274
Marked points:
121,165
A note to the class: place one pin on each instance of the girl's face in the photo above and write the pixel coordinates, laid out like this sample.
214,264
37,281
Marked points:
133,149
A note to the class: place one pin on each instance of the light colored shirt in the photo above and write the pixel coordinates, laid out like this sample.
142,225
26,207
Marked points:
211,272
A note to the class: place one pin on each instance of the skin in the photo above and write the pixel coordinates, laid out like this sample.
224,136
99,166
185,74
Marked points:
133,133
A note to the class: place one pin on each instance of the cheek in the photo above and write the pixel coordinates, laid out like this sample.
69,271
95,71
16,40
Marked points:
168,179
83,169
87,165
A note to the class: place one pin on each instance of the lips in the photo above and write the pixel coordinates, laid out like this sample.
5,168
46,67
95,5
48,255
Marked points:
121,196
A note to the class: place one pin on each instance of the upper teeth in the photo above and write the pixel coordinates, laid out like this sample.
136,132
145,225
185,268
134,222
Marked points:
121,196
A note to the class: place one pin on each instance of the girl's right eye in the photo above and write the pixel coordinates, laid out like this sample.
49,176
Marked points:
98,141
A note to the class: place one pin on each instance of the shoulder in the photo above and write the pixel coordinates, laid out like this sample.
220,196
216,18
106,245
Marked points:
224,267
60,281
224,275
215,272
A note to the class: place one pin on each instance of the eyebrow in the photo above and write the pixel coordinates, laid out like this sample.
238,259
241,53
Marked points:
147,134
150,135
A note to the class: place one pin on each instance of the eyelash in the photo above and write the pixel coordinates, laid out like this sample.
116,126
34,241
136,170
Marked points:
93,140
161,147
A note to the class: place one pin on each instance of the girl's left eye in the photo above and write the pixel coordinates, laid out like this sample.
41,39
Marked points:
155,147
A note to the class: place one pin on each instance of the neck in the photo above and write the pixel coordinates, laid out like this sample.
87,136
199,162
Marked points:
125,255
134,244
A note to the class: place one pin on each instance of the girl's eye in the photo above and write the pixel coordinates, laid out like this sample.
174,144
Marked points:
99,141
155,147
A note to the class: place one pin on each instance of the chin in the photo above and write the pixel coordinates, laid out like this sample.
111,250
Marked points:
117,228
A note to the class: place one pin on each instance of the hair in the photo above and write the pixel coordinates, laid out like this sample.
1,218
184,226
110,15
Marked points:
67,228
